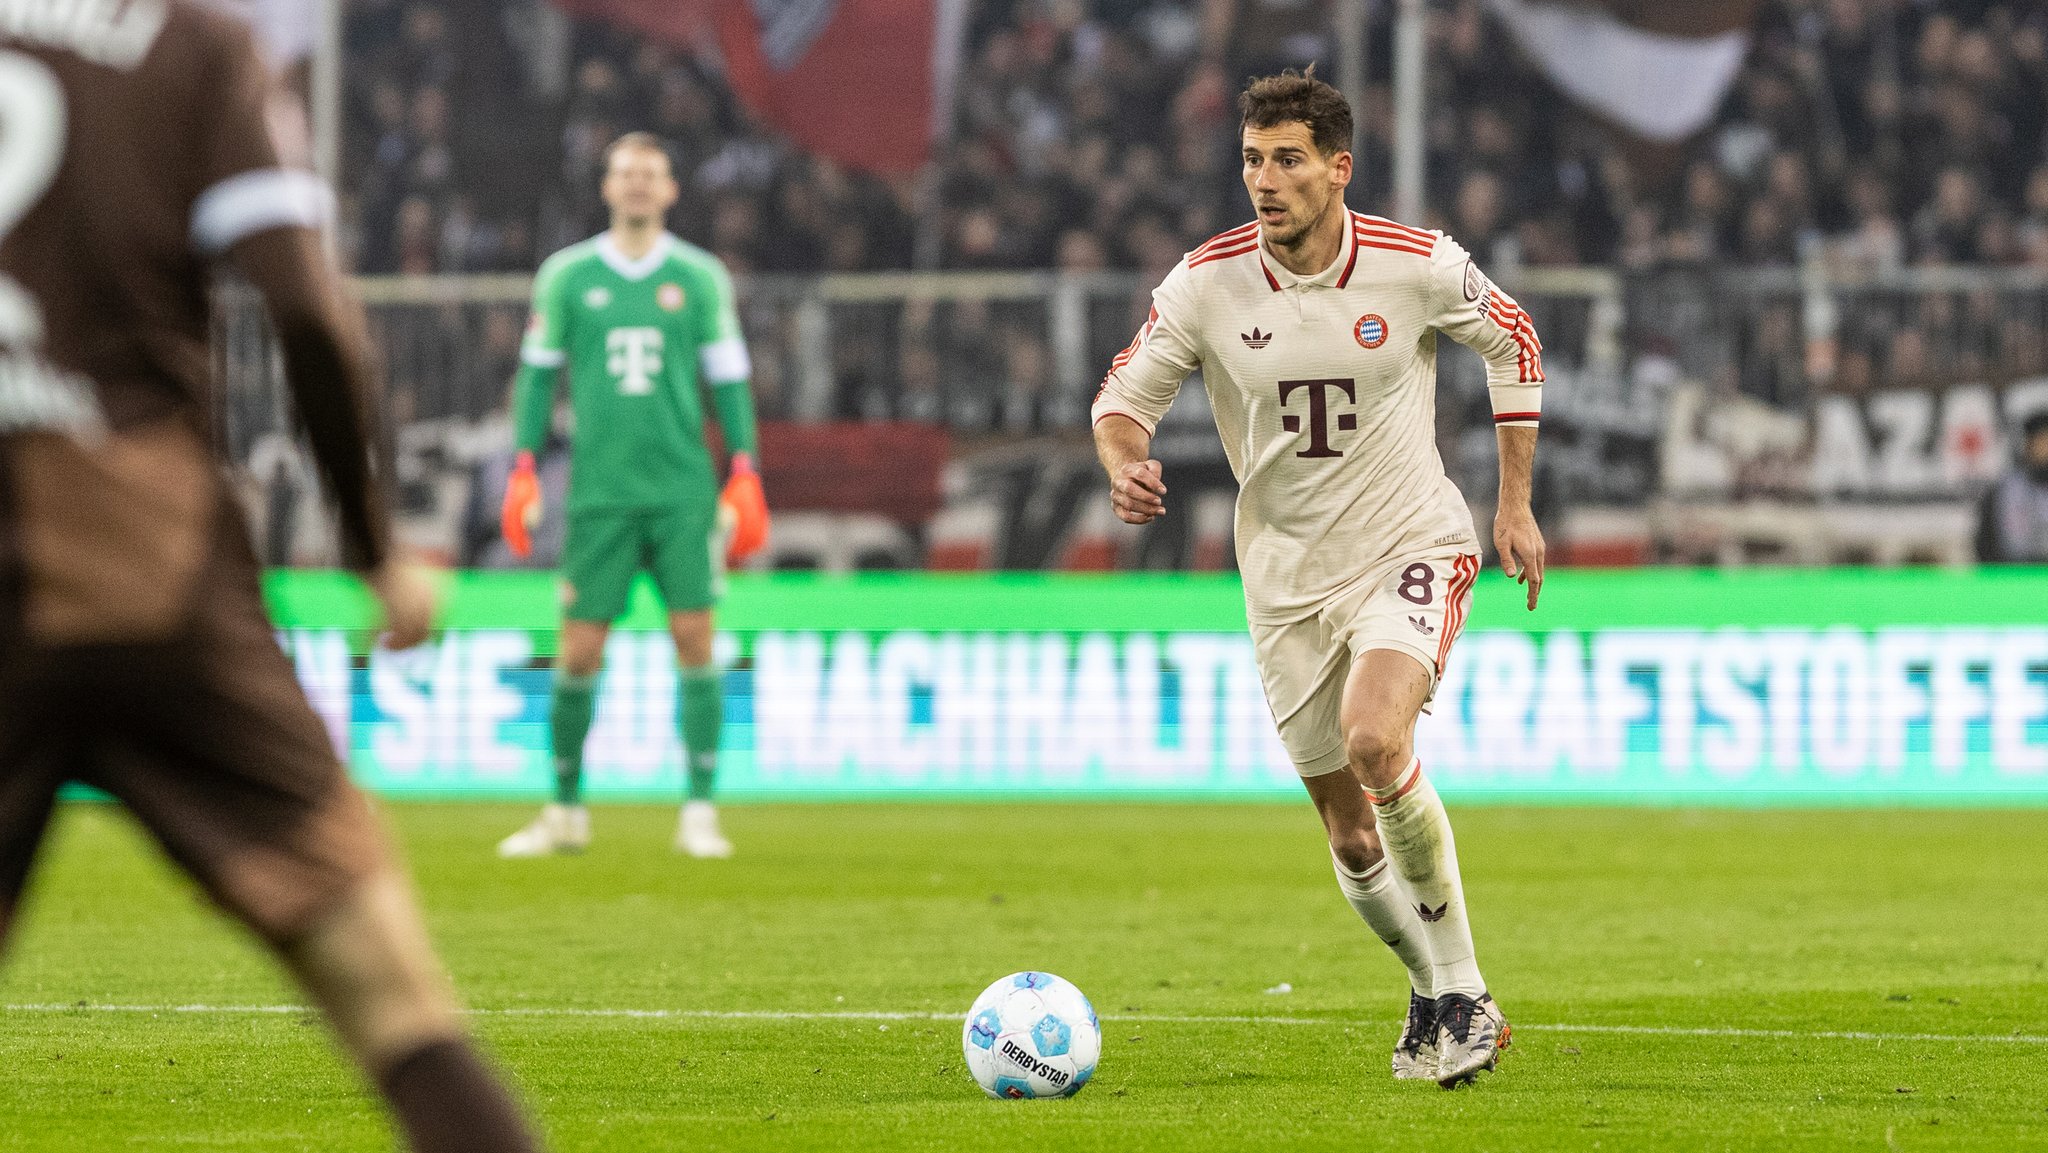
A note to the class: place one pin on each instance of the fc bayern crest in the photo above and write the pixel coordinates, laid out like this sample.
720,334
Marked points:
669,297
1371,330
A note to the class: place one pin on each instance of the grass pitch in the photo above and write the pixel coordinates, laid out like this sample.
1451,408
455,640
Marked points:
1678,980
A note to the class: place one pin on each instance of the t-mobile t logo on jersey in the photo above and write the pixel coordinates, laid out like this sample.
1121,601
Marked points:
634,357
1318,413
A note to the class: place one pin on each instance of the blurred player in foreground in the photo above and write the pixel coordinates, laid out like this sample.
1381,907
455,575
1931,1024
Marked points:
135,652
1315,330
646,324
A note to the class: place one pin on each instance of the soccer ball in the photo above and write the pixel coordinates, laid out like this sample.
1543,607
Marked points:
1031,1035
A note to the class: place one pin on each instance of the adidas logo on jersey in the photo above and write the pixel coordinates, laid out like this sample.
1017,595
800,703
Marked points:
1422,625
1255,338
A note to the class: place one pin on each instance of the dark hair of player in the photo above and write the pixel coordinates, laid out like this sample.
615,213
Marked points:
1290,97
642,142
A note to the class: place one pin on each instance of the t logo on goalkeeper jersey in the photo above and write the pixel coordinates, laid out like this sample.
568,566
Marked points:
633,356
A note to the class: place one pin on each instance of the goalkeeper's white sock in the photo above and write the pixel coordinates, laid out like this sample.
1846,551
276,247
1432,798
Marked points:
1416,833
1379,899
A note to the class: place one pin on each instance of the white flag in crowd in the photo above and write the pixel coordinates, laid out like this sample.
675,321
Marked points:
1656,72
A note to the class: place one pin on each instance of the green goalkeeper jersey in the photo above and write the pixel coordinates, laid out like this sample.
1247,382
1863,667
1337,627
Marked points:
642,340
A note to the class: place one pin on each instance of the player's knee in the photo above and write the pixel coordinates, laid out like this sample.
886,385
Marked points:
369,967
1372,749
582,664
1357,850
693,637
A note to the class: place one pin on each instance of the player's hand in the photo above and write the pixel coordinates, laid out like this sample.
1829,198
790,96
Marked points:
406,592
521,514
749,507
1520,545
1138,492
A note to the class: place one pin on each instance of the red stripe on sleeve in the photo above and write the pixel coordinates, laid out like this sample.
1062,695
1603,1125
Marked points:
1131,349
1535,347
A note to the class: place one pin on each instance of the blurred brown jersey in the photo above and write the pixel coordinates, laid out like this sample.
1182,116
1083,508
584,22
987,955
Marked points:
135,654
135,151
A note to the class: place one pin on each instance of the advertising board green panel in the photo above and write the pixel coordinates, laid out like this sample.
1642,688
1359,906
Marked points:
1649,686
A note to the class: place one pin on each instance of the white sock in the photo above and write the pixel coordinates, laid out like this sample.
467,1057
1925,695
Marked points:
1416,833
1379,899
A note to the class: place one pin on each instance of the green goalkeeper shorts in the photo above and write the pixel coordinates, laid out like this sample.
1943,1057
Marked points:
682,548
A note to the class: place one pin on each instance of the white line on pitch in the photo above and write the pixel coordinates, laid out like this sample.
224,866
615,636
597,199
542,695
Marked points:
1136,1018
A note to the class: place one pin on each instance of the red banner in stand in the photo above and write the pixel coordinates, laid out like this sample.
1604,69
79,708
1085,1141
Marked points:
849,80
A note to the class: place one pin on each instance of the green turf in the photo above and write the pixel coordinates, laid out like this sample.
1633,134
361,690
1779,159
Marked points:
1882,922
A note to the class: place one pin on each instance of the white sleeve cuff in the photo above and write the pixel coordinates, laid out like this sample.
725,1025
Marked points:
725,362
1516,404
251,202
543,357
1104,408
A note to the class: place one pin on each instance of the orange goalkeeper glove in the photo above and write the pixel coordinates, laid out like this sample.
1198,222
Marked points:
521,514
749,507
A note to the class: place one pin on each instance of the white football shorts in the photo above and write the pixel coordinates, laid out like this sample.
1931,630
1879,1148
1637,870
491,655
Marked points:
1416,605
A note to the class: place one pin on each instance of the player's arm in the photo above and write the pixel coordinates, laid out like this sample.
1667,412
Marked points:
1515,535
1483,318
1137,486
327,367
1141,384
723,363
541,356
326,364
260,208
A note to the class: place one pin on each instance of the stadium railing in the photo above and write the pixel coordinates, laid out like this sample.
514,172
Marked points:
1808,414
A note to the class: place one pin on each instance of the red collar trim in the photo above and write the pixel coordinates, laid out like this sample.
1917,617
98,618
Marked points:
1350,234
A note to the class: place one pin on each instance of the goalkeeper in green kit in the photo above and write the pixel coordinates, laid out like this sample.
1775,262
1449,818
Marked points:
646,326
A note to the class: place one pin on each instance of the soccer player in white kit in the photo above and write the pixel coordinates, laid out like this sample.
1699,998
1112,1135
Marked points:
1315,331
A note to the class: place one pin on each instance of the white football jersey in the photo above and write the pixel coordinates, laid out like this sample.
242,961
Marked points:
1324,390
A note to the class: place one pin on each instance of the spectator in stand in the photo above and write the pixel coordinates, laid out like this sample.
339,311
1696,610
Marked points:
1479,220
1874,243
1706,222
1946,230
2012,519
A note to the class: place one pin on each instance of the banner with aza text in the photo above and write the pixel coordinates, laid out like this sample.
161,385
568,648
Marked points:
1646,686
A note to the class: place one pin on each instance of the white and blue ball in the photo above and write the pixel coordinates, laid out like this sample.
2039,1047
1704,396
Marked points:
1031,1035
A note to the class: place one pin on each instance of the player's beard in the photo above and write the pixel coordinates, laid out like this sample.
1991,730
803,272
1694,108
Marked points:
1300,232
638,224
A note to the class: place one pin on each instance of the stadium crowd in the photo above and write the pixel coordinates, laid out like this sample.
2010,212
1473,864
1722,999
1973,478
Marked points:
1100,135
